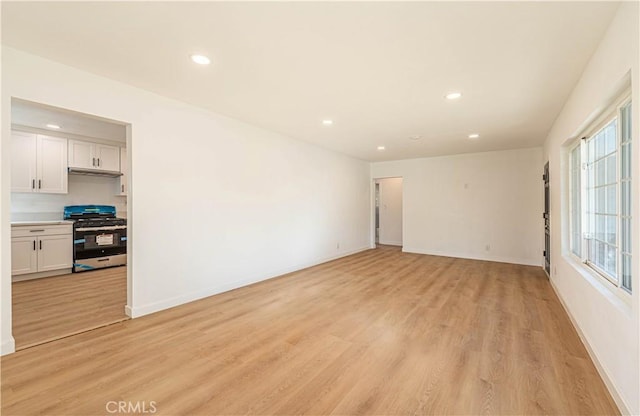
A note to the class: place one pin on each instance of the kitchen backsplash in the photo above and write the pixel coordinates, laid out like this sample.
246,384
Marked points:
82,190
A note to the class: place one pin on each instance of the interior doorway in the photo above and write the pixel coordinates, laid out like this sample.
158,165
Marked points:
388,223
547,217
69,240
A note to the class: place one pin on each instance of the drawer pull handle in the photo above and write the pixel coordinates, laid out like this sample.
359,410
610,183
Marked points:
34,245
36,231
40,244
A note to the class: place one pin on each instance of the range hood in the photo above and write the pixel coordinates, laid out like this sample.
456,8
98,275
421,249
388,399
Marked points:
95,172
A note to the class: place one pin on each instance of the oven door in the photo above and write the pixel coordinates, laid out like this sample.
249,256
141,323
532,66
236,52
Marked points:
92,242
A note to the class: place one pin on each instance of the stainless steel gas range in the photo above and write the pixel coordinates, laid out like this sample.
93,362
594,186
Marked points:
99,237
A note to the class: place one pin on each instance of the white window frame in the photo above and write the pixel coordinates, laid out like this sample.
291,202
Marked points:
581,196
613,112
588,232
629,215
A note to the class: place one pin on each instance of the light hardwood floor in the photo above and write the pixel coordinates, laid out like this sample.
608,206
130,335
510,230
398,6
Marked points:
380,332
56,307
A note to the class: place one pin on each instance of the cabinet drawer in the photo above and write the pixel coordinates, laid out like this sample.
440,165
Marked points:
35,230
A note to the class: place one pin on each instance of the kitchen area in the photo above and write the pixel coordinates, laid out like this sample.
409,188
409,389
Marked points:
69,188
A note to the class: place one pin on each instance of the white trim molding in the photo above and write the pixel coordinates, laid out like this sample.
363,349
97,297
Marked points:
390,243
498,259
8,347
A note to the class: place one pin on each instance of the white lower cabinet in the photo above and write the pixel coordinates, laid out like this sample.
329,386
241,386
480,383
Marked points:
37,249
55,252
24,255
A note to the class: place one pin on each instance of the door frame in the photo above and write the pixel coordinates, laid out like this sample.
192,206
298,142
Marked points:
546,215
6,293
372,213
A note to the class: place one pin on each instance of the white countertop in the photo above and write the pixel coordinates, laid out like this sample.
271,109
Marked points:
45,222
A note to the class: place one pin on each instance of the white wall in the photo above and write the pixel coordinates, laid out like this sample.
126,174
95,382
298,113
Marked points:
216,203
390,210
7,343
82,190
482,206
608,323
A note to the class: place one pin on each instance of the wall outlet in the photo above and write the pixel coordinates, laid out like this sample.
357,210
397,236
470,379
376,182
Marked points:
487,247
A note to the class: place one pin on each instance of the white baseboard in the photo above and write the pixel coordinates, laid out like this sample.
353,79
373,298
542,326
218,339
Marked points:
622,406
138,311
8,346
39,275
390,243
488,257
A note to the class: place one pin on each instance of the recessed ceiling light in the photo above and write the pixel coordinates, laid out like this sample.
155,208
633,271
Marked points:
474,136
200,59
53,126
327,122
453,95
380,147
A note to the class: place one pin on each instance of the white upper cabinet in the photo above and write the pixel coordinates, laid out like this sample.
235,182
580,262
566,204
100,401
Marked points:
23,161
81,155
52,165
38,163
94,156
108,157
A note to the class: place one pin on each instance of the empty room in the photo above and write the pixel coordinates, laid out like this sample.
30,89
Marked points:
320,208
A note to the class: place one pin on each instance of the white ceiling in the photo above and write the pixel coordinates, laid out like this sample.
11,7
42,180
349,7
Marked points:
378,69
26,113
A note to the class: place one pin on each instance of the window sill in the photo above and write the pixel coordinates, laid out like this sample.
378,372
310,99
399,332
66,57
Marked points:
619,297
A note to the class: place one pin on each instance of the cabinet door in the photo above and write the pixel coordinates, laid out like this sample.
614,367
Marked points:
55,252
24,255
52,165
81,155
23,162
108,157
123,170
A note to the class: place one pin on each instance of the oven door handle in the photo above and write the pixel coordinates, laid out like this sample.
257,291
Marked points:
109,228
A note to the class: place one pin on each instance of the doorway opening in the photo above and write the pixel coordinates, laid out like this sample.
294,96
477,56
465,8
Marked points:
547,225
69,240
388,212
377,213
